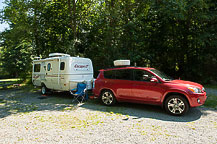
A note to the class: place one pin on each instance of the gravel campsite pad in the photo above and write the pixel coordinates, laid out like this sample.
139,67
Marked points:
28,117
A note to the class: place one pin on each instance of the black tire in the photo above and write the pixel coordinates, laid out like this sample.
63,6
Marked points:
176,105
44,89
107,98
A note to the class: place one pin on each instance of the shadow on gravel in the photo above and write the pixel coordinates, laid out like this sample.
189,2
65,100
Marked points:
138,111
15,101
20,101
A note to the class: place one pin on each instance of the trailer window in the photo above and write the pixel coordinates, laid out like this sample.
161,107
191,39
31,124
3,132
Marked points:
37,67
62,65
48,67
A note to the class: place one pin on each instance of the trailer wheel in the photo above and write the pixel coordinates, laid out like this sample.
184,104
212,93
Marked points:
44,90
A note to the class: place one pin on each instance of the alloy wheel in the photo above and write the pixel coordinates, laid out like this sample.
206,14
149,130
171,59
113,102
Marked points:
176,106
107,98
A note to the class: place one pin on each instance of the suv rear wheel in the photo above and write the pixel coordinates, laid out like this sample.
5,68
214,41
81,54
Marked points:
176,105
107,98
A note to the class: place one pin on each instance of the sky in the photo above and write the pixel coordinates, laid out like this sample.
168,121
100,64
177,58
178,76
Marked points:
4,25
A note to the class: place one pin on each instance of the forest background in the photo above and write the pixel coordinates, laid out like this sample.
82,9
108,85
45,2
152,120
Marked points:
178,37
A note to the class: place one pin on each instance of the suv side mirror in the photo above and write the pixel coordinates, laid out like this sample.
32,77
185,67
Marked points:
155,80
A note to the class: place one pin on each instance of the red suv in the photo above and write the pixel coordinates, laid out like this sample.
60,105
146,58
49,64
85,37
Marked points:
150,86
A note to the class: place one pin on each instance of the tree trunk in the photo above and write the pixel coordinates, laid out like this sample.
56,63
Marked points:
37,43
72,13
74,19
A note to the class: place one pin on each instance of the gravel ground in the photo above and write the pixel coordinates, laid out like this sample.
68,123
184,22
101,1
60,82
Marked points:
27,117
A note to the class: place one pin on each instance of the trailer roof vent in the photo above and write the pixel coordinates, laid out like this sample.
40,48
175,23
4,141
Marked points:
58,55
37,58
122,63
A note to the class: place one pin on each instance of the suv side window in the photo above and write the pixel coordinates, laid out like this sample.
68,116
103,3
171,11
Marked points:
123,74
142,75
109,74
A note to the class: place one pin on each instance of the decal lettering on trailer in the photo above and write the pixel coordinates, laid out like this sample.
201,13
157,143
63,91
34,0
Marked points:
81,67
36,76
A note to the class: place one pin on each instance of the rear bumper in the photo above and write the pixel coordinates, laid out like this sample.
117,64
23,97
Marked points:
95,92
197,99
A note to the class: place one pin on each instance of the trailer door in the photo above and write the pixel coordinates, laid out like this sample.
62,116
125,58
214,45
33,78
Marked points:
49,75
43,71
57,71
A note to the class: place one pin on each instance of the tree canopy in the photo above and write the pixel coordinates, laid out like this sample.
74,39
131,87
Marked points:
178,37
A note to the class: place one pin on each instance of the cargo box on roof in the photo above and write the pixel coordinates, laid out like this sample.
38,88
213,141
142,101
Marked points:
122,63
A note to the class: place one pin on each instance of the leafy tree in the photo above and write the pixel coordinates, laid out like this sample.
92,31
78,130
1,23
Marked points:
175,36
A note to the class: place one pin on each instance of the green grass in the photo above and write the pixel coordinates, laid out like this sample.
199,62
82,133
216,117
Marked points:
211,101
11,80
8,83
211,86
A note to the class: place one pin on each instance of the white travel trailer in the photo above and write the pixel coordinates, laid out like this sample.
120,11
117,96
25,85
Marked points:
61,72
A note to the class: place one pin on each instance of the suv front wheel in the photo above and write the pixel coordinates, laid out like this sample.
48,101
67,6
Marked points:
176,105
107,98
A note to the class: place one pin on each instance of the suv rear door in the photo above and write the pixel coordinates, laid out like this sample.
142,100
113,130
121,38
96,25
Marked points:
120,81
